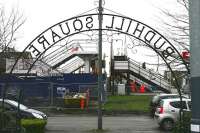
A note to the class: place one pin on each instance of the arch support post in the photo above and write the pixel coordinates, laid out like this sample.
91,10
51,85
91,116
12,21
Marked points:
194,11
100,83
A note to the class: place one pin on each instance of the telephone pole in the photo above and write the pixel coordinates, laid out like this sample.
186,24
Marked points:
194,21
100,16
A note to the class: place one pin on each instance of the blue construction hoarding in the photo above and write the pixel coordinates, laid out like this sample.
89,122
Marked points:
48,87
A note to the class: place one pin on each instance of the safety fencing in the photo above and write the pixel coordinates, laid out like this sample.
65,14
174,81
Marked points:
45,94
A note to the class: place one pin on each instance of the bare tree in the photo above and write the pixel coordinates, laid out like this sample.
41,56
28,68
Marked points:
9,26
176,25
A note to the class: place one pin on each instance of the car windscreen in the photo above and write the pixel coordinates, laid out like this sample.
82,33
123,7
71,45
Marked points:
156,99
14,103
168,97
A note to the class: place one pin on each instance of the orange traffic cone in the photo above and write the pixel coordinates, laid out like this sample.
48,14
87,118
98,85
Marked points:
142,89
133,86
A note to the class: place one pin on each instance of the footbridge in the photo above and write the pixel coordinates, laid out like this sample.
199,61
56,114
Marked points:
142,75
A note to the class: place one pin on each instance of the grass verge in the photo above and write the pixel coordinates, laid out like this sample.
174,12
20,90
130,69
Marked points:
133,103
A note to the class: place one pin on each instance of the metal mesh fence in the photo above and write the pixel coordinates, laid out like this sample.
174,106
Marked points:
44,95
47,94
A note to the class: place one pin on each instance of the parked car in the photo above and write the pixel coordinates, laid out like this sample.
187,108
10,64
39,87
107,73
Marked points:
167,113
156,100
25,112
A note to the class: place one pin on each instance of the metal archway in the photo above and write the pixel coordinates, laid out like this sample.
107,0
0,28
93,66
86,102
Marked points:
89,22
111,22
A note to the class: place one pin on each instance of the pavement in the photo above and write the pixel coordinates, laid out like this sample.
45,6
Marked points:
111,124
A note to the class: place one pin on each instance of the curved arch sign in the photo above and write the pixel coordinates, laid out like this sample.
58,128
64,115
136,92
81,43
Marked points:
111,22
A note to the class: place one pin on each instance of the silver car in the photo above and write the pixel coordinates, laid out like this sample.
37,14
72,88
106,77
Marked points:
167,113
25,112
156,100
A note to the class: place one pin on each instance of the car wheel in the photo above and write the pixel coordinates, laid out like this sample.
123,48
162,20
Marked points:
167,124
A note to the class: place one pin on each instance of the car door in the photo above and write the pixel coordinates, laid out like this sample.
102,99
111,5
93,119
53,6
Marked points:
176,105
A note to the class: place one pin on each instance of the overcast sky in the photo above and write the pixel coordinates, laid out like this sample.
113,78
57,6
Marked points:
41,14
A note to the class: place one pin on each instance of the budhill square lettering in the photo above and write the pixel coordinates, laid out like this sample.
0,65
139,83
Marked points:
111,22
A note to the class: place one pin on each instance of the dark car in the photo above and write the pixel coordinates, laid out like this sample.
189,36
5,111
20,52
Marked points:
25,112
156,100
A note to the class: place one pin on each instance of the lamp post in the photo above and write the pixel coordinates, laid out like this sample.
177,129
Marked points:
100,17
194,21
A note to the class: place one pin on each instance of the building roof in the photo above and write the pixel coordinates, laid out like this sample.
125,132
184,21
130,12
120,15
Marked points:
14,55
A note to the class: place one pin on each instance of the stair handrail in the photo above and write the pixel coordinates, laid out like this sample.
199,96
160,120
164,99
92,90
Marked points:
158,78
66,54
72,64
147,70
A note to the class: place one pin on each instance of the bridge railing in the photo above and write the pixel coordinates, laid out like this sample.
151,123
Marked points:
146,73
72,65
64,52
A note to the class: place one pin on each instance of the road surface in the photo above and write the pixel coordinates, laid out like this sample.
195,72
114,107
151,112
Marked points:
111,124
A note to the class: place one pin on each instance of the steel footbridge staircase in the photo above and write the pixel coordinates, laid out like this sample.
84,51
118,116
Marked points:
70,58
127,66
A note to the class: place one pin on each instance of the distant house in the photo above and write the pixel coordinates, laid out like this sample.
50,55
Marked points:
8,59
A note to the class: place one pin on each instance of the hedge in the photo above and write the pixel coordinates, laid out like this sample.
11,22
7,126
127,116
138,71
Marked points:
184,126
33,125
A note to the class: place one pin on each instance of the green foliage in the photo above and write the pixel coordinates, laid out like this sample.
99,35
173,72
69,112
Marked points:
7,120
184,126
4,119
33,125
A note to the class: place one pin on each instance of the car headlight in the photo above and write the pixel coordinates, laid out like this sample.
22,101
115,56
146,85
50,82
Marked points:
38,116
